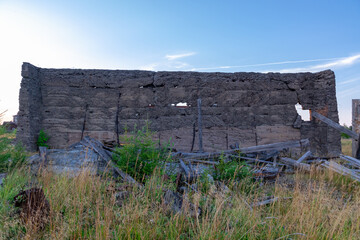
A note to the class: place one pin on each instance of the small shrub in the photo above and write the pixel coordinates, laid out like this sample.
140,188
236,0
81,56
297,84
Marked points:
11,156
344,135
231,171
2,130
42,139
140,155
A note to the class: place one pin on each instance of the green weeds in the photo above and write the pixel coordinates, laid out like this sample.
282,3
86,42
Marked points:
42,139
11,155
140,154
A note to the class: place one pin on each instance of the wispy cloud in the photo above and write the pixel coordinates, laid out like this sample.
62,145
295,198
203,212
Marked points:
178,56
165,66
332,63
342,62
350,81
265,64
346,92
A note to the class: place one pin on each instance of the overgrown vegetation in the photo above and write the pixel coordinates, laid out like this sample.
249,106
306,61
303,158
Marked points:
85,207
231,171
11,155
42,139
319,205
140,155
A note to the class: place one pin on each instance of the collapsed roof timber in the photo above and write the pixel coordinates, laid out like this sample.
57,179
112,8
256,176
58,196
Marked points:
245,109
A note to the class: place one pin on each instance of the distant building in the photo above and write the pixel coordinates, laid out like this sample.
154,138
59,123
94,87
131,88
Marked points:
15,119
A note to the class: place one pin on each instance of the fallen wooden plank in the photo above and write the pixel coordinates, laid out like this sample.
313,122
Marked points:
335,125
265,202
187,171
341,170
260,148
263,161
294,163
202,161
106,156
355,162
304,157
276,146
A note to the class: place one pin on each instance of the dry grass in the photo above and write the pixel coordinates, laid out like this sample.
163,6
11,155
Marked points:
346,146
316,206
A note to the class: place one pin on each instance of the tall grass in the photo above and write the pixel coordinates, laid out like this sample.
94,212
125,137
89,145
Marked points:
84,207
11,155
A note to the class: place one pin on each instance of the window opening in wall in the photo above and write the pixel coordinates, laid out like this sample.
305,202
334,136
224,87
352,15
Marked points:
305,114
180,105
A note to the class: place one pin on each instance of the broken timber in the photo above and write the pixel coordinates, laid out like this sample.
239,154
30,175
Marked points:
335,125
353,161
294,163
341,170
273,146
304,157
106,156
188,173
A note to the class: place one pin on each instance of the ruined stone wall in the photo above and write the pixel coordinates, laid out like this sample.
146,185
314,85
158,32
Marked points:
248,108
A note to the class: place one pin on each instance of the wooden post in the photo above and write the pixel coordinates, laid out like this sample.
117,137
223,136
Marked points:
117,121
193,139
84,123
200,126
356,127
42,153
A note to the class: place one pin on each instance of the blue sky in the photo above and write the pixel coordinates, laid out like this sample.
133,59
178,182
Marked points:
227,36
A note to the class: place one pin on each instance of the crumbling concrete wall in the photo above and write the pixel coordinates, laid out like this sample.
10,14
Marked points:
248,108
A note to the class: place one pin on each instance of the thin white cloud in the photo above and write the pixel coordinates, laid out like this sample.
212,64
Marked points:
165,66
266,64
347,92
350,81
178,56
342,62
335,62
149,67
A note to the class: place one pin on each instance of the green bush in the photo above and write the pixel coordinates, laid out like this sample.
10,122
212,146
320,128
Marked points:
344,135
42,139
231,171
140,155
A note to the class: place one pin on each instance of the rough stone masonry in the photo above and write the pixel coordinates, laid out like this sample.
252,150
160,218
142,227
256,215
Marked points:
245,108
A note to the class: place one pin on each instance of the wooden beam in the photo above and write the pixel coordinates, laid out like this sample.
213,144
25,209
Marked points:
98,148
117,121
304,157
200,126
355,162
188,173
193,137
294,163
276,146
335,125
341,170
202,161
84,122
267,147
